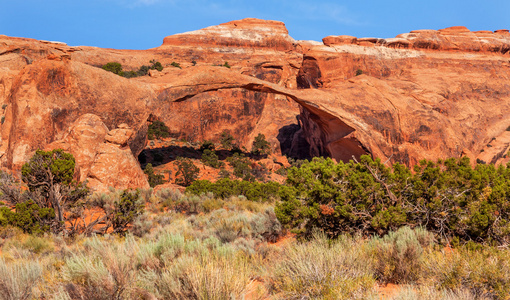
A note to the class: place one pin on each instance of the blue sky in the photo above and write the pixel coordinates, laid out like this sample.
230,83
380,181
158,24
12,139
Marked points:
142,24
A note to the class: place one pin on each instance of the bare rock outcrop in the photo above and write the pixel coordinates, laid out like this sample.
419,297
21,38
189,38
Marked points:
102,156
247,33
47,96
456,38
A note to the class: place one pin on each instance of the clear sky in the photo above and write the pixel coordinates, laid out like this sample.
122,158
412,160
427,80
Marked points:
142,24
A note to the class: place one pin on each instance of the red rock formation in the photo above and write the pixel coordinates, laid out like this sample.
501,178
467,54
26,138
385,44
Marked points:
103,156
457,38
424,94
247,33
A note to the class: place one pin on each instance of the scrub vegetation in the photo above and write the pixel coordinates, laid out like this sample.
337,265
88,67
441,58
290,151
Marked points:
332,231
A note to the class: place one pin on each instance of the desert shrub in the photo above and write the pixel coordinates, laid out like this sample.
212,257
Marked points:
114,67
281,171
449,198
175,64
174,267
428,292
397,257
49,177
103,200
143,70
297,162
207,145
29,217
241,203
142,225
18,279
209,158
266,226
191,204
211,204
153,178
260,171
4,215
226,65
241,165
228,226
260,146
156,65
225,188
227,140
157,130
126,210
229,229
11,190
359,72
224,174
248,246
168,197
187,172
129,74
8,232
322,269
146,194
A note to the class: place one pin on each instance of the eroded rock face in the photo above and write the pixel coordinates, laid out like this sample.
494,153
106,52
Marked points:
457,38
425,94
102,156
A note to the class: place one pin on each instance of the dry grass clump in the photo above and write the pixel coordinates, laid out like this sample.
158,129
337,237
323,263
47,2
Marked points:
397,257
424,292
202,276
322,269
103,270
228,226
17,279
26,246
484,273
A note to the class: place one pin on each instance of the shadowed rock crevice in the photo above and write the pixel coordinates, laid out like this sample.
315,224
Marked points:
329,136
293,143
309,75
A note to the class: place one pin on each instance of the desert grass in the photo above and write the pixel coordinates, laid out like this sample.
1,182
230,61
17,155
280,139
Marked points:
18,279
322,268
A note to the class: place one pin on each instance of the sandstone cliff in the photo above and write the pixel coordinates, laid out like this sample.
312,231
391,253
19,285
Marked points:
425,94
